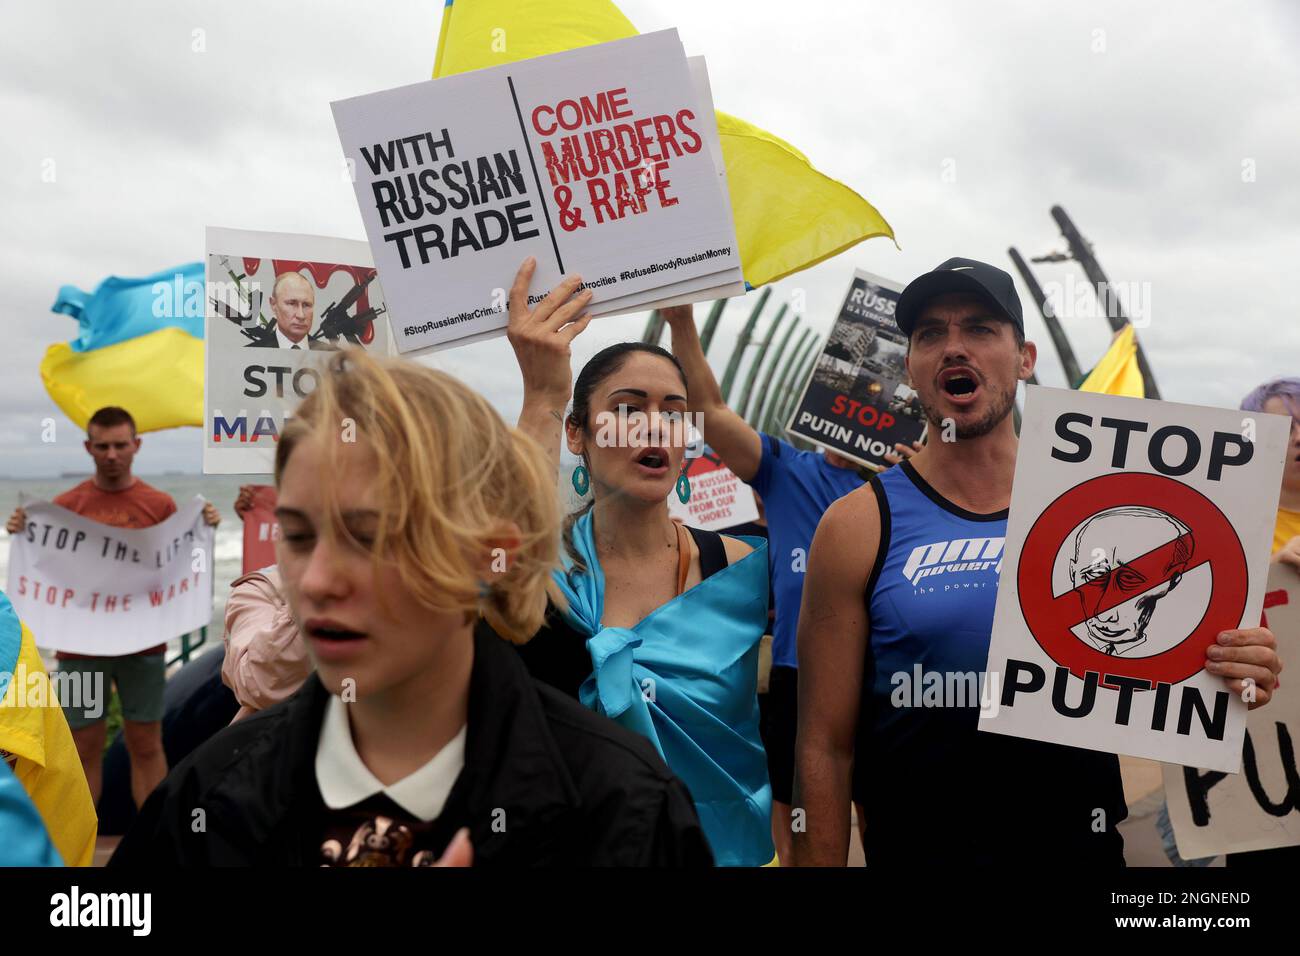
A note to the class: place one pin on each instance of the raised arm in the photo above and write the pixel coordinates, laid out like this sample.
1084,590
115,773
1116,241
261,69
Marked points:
832,642
541,337
737,444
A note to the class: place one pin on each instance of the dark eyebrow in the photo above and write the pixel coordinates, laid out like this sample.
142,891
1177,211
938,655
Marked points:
640,394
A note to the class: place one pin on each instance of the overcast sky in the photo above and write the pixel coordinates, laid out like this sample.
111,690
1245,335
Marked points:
1169,131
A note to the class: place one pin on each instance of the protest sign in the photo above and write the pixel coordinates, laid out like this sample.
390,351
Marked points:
858,402
1259,808
90,588
594,161
278,306
261,530
718,498
1138,531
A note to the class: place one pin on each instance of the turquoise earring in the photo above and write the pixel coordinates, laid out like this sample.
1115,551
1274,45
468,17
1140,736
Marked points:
683,488
581,480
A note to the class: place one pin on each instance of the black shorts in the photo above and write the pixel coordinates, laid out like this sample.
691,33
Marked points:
778,721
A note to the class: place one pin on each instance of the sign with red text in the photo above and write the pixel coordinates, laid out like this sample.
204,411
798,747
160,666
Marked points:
90,588
261,530
858,402
1259,808
1138,531
596,161
718,498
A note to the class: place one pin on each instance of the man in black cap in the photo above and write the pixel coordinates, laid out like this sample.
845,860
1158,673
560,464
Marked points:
900,590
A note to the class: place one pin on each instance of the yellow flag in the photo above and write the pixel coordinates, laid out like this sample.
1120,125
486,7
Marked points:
788,215
1117,373
157,377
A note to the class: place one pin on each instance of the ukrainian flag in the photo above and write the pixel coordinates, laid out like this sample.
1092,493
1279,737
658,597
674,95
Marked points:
139,346
788,215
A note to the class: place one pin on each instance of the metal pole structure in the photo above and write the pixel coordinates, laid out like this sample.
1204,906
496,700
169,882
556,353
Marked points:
654,328
782,392
748,391
742,343
1064,351
765,401
1081,250
711,324
795,393
778,389
754,415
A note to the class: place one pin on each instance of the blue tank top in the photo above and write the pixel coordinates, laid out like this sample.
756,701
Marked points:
939,788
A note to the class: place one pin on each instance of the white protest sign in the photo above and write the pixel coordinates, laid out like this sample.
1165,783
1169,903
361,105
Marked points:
1259,808
718,498
594,161
90,588
1138,531
278,306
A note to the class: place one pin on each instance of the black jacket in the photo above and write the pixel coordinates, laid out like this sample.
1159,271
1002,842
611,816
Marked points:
545,782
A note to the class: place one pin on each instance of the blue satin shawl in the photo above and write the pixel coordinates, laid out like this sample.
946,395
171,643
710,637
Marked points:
686,677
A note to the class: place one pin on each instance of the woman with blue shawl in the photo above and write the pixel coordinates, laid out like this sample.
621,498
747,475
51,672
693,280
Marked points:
657,625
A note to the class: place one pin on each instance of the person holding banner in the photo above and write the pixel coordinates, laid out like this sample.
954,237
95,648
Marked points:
660,624
115,497
937,790
1278,397
420,738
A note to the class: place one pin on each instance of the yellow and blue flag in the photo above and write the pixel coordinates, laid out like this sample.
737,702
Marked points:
139,346
788,216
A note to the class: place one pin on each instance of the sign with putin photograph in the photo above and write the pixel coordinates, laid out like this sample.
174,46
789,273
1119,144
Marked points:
1138,531
1259,808
858,402
278,305
600,162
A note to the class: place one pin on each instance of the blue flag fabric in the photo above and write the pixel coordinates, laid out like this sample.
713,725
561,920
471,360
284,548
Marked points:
686,678
121,309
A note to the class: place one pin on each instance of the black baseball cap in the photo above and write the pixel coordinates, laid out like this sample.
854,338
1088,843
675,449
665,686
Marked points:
960,275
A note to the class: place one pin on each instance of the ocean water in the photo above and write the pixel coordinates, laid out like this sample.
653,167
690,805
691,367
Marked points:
218,489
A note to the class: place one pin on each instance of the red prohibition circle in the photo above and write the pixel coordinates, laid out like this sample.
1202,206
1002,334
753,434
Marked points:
1215,543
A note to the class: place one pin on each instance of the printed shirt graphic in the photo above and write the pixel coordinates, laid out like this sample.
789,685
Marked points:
796,487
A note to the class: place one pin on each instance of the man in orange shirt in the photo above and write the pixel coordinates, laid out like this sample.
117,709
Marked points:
116,497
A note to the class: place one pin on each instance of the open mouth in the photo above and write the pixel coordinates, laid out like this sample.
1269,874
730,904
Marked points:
958,383
331,631
653,461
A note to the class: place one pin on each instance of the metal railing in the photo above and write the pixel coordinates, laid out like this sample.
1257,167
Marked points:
188,648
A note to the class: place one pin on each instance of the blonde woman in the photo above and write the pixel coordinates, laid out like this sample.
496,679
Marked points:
407,509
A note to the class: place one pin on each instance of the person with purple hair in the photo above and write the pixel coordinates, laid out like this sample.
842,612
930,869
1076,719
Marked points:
1282,397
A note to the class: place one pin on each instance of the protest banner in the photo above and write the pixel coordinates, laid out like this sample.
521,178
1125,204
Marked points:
261,530
90,588
718,498
1259,808
303,297
858,402
595,161
1138,531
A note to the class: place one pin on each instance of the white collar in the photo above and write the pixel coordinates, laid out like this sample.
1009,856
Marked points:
344,780
285,343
